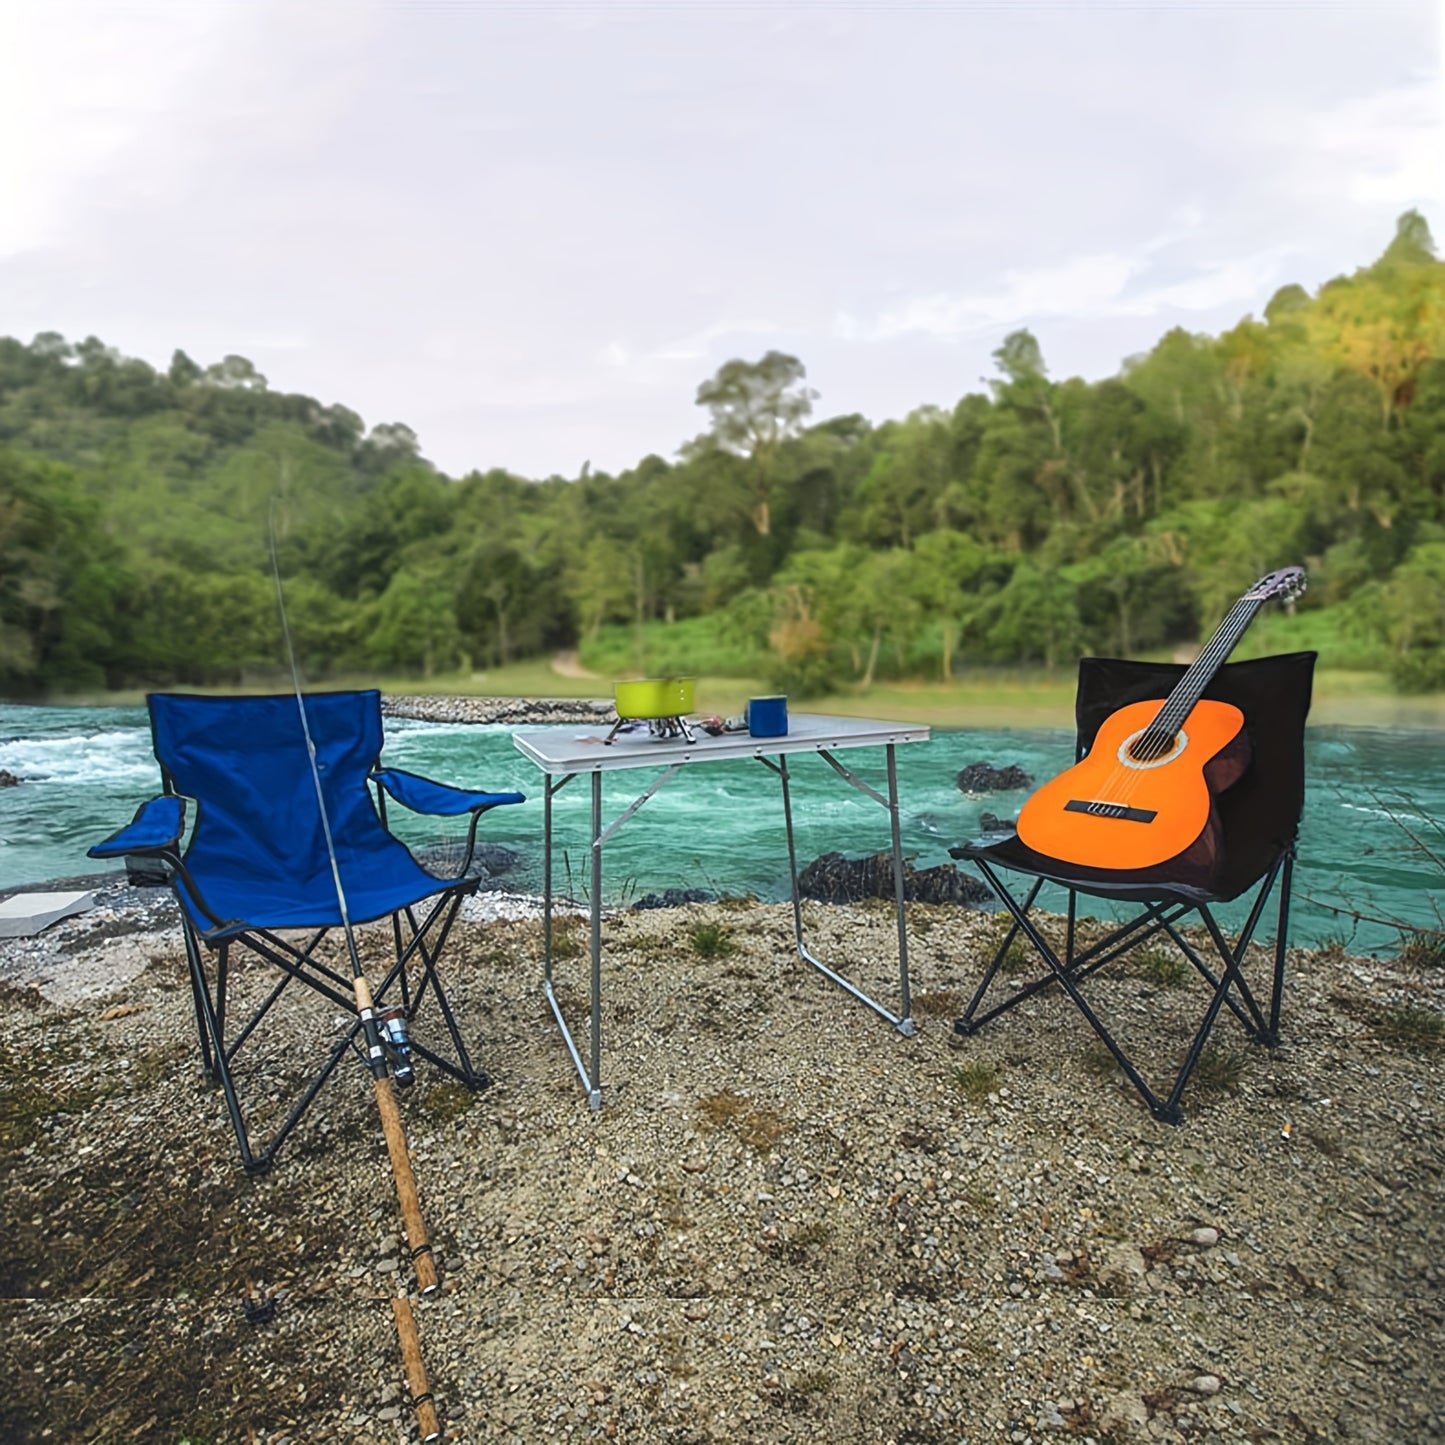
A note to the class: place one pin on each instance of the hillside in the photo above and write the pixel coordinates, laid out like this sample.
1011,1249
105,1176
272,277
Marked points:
1033,521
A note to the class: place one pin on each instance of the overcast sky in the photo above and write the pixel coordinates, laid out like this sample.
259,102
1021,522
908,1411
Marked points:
529,230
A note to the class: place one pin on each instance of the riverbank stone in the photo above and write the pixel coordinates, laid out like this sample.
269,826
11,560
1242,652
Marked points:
989,778
832,878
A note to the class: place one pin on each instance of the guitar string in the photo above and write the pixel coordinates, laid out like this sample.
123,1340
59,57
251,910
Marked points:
1130,780
1125,782
1225,639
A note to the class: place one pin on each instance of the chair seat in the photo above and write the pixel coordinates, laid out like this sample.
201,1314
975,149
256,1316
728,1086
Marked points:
376,884
1014,853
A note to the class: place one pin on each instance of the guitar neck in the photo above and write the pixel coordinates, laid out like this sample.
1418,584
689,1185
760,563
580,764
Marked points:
1190,688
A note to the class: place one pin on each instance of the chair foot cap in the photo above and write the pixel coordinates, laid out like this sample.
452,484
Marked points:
965,1027
1167,1115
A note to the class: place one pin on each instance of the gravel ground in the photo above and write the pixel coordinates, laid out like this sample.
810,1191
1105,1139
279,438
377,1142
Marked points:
789,1223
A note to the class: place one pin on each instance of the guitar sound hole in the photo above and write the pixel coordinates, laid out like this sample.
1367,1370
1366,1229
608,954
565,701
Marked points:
1147,748
1150,750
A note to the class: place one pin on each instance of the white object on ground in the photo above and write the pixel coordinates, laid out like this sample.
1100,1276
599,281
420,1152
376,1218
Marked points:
27,914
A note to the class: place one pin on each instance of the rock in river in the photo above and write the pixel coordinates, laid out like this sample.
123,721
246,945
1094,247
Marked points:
986,778
836,879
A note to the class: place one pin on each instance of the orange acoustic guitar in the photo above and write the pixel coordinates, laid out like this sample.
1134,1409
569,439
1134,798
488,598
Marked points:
1143,795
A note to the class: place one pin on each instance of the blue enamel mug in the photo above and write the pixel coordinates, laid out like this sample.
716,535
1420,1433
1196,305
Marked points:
768,717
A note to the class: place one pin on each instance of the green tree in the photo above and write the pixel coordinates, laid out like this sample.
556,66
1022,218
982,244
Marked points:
1035,617
413,627
498,606
1141,592
755,406
951,567
1415,606
901,496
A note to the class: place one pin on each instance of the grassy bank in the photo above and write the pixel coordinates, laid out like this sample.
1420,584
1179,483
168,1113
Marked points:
1000,697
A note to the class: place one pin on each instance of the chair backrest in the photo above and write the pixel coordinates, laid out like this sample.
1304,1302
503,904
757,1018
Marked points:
1260,814
245,762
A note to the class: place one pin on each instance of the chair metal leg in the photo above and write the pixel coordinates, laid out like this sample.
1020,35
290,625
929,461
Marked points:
222,1072
298,963
967,1024
1270,1038
1068,972
208,1059
1169,1114
1083,964
223,978
268,1156
446,910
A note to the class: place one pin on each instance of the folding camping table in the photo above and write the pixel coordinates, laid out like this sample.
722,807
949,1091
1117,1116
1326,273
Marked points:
562,753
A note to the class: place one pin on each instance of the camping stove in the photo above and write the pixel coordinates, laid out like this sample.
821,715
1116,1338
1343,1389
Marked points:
664,728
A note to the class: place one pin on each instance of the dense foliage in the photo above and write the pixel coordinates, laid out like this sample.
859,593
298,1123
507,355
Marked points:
1027,524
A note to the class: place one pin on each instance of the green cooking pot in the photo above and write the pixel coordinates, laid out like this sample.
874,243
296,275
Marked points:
650,697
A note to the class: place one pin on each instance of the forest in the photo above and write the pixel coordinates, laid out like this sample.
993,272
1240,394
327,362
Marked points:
1035,521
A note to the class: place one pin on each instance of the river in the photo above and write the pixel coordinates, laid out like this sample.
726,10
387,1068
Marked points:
84,771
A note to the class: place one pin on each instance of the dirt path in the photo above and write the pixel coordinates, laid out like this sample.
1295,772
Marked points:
565,664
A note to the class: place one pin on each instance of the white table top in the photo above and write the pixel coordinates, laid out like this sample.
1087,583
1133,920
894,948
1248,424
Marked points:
580,749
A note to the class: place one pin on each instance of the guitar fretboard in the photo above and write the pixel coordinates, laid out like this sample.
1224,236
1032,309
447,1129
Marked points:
1158,738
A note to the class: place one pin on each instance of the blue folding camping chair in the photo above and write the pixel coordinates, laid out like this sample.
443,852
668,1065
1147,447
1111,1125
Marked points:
259,862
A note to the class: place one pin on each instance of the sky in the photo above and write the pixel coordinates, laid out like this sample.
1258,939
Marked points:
529,231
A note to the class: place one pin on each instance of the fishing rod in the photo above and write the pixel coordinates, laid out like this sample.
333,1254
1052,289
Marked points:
376,1061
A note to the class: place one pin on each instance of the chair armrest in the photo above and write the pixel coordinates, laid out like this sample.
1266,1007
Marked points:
422,795
156,827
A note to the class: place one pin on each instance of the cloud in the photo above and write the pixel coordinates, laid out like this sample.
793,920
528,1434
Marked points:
79,86
698,346
1387,148
1081,288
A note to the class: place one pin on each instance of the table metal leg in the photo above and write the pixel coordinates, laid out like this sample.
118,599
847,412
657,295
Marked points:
898,901
548,790
594,1093
903,1021
589,1080
590,1070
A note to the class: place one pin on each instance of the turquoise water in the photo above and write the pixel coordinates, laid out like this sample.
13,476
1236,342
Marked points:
84,772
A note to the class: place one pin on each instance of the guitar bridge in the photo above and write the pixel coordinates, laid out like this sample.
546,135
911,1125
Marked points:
1111,810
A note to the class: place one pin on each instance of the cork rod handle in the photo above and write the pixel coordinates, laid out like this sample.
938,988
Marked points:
416,1381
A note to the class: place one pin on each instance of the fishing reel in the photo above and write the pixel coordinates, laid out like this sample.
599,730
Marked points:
396,1040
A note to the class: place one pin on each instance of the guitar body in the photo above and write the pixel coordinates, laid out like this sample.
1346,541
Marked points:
1111,811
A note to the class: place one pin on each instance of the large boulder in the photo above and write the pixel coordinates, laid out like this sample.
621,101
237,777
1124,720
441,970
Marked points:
986,778
8,779
675,898
836,879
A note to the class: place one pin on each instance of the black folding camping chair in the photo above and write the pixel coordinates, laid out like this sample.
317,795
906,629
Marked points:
259,866
1259,822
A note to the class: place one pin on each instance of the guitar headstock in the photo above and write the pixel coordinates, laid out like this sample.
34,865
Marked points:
1287,584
